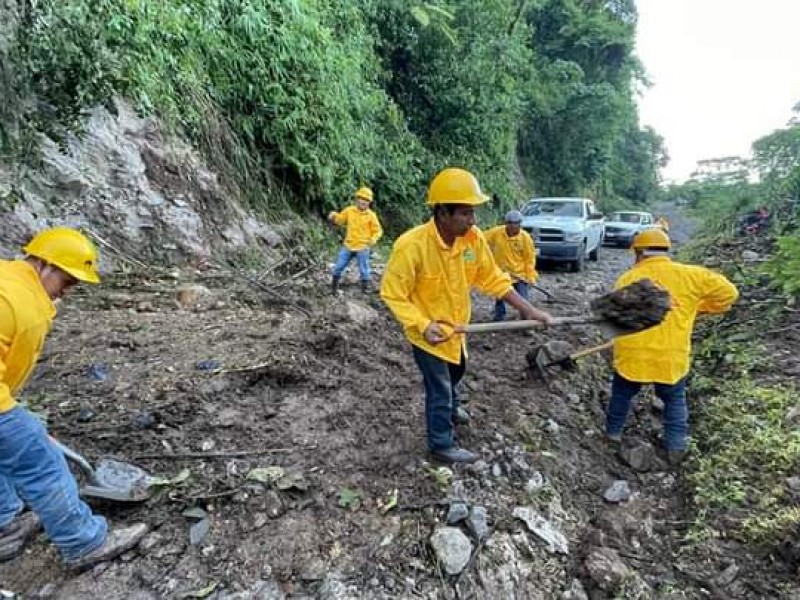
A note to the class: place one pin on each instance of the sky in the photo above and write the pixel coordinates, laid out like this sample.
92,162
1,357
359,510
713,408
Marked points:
724,73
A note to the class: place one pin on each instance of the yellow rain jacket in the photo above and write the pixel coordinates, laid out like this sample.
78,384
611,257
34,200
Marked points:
26,314
515,255
427,281
363,228
661,354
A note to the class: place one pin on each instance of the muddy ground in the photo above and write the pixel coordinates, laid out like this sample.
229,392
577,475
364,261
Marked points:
138,370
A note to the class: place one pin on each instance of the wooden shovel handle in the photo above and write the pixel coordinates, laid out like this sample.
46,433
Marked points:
516,325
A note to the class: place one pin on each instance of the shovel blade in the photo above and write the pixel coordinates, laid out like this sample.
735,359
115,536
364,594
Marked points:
119,481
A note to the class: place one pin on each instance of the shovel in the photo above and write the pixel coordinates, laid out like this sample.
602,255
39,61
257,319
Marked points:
542,359
112,479
631,309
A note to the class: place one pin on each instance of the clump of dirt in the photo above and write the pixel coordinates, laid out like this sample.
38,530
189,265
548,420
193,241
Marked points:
635,307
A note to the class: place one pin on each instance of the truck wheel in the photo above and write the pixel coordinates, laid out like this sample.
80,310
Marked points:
577,264
594,255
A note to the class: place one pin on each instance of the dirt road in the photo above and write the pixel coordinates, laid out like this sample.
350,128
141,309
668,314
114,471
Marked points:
335,403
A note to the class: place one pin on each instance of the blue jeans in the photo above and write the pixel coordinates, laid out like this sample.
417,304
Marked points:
441,380
344,258
676,414
34,471
523,289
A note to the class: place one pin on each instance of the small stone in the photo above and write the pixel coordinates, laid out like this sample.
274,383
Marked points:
657,405
619,491
98,372
478,523
208,365
497,470
543,529
145,307
534,484
638,457
478,467
457,512
576,591
189,296
574,398
85,415
150,541
142,420
313,570
793,483
273,505
606,569
198,531
46,591
552,427
728,576
453,549
792,417
750,256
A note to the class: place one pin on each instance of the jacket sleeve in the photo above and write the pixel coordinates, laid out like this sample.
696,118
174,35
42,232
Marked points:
397,285
7,330
340,218
530,259
377,230
490,279
717,293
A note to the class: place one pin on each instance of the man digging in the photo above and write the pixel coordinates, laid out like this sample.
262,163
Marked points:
33,471
427,281
660,355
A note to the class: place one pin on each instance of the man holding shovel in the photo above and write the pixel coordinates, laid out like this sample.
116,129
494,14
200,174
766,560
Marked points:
427,285
363,231
514,253
661,355
33,471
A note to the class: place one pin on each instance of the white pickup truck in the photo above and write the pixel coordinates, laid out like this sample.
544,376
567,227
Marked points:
564,229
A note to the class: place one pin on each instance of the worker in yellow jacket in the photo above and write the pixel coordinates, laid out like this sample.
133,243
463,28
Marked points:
663,223
363,231
33,471
427,285
661,355
514,252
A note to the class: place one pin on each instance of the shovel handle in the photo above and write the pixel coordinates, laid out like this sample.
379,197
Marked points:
516,325
75,458
592,350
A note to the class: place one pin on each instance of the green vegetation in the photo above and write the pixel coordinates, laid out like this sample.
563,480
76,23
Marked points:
299,102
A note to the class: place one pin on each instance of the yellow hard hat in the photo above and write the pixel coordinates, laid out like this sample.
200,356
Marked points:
455,186
651,238
67,249
364,193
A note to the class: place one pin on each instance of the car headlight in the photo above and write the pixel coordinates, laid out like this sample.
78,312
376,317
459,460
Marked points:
573,236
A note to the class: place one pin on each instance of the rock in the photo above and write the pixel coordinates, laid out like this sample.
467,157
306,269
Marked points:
361,314
497,470
208,365
478,467
728,576
142,420
262,590
750,256
793,483
543,529
198,531
457,512
98,372
534,485
453,549
46,592
576,591
145,306
85,415
313,569
478,523
638,457
190,296
552,427
619,491
573,398
150,541
792,417
657,405
273,504
606,569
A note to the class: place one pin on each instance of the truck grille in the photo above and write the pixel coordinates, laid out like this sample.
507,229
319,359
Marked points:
551,235
613,229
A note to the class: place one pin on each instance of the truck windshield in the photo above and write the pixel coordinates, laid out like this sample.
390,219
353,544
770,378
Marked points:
626,218
556,209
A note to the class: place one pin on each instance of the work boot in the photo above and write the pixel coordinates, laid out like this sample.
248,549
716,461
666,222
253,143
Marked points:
454,455
16,534
675,457
335,285
461,416
117,542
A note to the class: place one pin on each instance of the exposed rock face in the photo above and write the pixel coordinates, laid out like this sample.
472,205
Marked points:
151,197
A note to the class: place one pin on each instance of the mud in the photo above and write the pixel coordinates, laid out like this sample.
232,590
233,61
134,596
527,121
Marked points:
635,307
304,443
